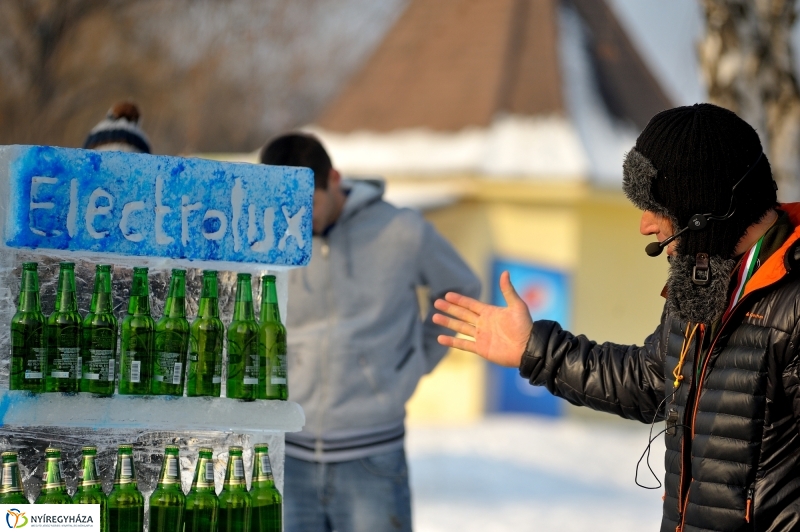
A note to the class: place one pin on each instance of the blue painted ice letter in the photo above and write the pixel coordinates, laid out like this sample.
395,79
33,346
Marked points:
156,206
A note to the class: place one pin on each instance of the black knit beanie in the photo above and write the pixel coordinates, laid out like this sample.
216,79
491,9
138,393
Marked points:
686,162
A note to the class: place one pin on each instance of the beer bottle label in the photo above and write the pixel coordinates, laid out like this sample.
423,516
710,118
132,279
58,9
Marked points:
278,370
265,466
126,470
171,347
171,471
136,370
238,469
265,471
168,369
101,355
35,362
205,474
54,474
100,365
87,473
251,370
205,356
10,478
217,378
66,363
8,475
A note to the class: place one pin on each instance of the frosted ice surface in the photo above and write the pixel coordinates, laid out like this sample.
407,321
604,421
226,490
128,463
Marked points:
148,450
19,408
156,206
31,423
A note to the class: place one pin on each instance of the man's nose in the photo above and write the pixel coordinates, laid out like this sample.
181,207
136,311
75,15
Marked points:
649,223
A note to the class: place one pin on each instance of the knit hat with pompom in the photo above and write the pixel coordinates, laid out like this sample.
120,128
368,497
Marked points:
119,131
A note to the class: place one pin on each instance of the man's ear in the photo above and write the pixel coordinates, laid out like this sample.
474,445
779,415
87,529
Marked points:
334,178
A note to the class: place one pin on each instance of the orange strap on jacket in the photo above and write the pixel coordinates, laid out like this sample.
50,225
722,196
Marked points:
687,342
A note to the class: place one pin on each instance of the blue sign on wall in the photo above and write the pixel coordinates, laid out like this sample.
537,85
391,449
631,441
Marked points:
158,206
547,294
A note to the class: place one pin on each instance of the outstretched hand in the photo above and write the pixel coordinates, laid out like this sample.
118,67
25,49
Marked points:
499,334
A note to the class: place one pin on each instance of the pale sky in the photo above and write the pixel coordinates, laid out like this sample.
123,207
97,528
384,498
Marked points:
666,33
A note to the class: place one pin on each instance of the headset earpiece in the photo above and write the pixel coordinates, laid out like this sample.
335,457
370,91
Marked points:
698,222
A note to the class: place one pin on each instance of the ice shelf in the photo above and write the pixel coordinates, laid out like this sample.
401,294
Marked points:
149,412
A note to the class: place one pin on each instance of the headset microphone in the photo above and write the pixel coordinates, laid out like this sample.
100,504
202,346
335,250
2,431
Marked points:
699,222
654,249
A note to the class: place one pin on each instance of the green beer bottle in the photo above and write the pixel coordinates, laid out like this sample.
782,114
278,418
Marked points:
99,345
138,339
272,345
168,500
267,501
234,500
205,343
202,503
11,489
64,336
243,357
125,502
28,343
172,340
54,488
90,490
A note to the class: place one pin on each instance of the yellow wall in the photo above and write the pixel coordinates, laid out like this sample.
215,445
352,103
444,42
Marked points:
617,287
591,234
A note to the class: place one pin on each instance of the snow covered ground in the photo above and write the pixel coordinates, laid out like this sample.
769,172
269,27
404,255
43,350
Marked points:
520,473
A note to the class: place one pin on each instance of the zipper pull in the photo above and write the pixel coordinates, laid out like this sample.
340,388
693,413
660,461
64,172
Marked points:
749,507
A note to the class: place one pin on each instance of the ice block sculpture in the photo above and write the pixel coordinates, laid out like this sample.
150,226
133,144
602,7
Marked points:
129,210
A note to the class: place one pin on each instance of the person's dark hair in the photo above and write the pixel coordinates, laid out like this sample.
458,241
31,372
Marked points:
299,149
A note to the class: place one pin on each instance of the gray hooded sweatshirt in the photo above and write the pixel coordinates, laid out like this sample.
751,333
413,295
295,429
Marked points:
357,345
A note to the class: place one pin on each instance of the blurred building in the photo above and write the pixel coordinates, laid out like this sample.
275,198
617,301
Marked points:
506,122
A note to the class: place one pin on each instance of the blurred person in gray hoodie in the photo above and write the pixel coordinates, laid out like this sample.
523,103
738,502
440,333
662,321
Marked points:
357,347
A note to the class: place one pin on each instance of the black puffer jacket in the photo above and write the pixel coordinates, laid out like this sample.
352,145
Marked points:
733,456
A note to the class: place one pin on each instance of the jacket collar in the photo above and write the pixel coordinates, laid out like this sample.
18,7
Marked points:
774,268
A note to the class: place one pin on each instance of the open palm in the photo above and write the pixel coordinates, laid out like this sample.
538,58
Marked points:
499,334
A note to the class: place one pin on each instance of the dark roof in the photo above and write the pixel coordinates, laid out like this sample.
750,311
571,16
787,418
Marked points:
451,64
628,87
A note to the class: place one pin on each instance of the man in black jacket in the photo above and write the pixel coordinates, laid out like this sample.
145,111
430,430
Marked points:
722,368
